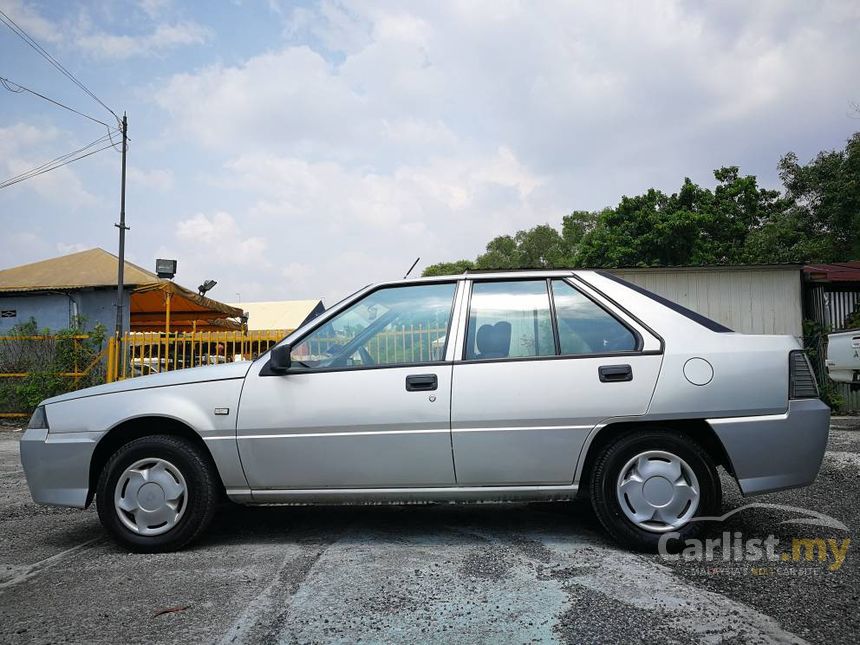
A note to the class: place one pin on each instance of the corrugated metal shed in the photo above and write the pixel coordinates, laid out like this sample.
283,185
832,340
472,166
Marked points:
755,299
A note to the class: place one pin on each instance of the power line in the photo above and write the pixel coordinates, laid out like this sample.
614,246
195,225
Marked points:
17,88
23,35
102,139
11,182
60,161
52,164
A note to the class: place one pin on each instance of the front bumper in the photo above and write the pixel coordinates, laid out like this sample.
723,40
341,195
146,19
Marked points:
776,451
57,465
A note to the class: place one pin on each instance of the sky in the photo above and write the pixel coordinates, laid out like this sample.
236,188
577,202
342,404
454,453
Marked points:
304,149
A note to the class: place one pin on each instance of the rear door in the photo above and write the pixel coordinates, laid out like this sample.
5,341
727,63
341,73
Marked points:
542,362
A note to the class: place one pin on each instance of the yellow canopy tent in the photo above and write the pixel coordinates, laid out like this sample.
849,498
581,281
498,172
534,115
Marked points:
166,306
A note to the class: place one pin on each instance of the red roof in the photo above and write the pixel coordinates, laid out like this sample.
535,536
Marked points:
838,272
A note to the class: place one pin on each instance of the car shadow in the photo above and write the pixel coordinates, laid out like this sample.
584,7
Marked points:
430,523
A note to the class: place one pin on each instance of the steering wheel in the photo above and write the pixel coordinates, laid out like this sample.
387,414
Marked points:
366,358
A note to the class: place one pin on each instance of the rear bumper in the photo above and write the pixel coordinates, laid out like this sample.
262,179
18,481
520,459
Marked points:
776,451
58,466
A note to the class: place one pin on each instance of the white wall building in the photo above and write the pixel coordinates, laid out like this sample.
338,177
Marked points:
757,299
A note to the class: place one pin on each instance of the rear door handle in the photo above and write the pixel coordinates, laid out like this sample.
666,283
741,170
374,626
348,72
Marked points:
615,373
421,383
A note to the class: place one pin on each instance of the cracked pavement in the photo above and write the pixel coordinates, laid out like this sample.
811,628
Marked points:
519,573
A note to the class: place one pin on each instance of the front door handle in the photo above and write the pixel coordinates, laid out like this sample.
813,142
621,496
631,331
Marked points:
615,373
421,383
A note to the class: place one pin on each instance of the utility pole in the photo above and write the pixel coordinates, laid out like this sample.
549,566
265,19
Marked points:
120,277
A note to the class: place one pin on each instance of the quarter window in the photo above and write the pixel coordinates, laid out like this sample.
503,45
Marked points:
509,320
586,328
391,326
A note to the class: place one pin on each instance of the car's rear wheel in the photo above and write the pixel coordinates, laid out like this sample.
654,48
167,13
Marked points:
651,483
157,493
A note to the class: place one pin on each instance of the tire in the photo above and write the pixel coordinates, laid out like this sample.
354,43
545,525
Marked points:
157,494
615,481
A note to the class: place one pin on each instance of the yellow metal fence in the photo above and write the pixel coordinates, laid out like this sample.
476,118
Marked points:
142,353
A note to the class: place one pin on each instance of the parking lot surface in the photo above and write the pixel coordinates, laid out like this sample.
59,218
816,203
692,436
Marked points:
517,573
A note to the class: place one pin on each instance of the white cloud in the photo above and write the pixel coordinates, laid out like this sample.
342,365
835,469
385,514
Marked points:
31,21
64,248
562,87
216,246
294,276
164,37
23,248
153,8
219,235
24,147
375,132
24,135
333,227
286,97
380,131
334,25
103,43
156,179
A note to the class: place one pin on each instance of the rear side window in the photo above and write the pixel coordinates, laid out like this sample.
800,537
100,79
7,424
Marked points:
695,316
586,328
509,320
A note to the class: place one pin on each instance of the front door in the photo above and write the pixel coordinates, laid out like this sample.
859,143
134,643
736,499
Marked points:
365,404
542,365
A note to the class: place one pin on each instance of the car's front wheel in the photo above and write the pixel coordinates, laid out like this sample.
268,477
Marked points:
650,483
157,493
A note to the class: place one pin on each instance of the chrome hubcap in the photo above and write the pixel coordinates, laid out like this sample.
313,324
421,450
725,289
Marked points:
658,491
150,496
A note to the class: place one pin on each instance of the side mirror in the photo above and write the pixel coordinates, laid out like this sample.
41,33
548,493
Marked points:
279,361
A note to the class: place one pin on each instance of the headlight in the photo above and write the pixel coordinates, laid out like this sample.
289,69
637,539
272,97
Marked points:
39,420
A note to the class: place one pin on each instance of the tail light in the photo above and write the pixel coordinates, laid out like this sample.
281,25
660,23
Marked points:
801,380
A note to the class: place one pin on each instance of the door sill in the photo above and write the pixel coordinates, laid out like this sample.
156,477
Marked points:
359,496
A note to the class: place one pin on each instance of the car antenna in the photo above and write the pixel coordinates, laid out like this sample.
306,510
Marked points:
412,267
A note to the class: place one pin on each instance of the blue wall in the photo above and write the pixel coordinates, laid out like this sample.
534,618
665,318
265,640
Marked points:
55,310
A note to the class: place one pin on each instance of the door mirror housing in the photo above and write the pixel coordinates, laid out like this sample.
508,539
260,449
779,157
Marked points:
279,361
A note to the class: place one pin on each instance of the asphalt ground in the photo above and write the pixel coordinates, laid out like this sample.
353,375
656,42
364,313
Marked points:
516,573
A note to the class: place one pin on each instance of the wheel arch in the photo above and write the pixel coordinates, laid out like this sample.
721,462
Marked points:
696,429
132,429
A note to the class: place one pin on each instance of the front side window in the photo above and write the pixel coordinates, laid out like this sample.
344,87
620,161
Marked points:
391,326
586,328
509,320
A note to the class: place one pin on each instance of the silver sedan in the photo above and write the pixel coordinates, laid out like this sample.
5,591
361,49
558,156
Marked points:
510,386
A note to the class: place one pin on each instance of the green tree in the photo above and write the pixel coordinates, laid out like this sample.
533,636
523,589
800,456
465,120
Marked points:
542,247
501,253
694,226
448,268
643,230
574,228
822,223
539,247
45,357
